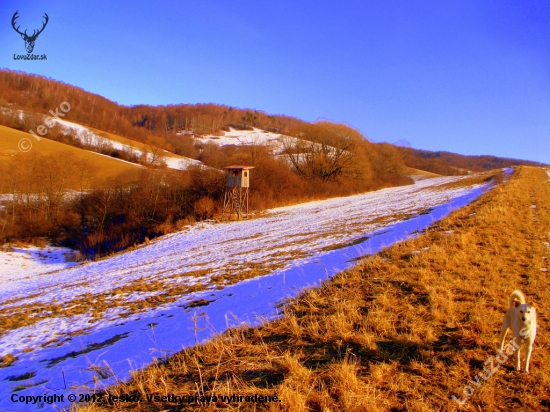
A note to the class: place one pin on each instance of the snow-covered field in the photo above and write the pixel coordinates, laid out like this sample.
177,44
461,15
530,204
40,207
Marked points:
18,263
72,328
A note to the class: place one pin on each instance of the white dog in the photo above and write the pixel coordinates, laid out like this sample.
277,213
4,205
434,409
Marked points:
521,318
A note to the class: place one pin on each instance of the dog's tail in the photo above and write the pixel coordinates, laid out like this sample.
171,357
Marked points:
517,298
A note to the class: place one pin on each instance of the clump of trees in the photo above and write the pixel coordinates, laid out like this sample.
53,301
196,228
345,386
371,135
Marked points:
330,152
57,197
38,189
324,151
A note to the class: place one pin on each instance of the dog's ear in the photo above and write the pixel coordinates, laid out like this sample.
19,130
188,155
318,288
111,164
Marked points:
534,304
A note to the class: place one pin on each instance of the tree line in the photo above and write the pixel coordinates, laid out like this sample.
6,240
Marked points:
450,164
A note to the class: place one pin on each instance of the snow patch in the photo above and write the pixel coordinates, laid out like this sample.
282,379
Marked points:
20,263
247,138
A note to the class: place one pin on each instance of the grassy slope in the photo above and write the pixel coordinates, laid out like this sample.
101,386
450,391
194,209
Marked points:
422,174
402,331
134,143
106,166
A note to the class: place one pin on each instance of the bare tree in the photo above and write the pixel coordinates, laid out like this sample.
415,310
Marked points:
324,151
156,156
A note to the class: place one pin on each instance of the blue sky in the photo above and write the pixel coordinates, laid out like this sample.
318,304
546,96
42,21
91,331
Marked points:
471,77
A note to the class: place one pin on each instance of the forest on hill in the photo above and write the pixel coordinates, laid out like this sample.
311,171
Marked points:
158,125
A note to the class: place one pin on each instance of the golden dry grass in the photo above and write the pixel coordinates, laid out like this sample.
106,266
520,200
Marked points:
9,153
403,331
421,174
134,143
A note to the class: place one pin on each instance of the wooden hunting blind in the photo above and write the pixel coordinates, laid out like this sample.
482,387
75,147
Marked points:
237,182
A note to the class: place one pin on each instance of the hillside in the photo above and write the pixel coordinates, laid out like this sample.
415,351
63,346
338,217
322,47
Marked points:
91,139
406,329
326,160
10,156
118,146
36,94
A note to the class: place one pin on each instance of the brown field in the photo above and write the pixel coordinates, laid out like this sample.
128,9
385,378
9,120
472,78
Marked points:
420,174
404,330
105,166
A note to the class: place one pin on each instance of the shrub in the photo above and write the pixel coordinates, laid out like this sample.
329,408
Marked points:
204,208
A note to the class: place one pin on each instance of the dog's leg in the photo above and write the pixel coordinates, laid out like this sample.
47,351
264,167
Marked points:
504,330
528,350
502,337
516,358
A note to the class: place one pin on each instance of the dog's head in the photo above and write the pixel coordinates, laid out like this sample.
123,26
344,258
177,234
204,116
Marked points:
528,311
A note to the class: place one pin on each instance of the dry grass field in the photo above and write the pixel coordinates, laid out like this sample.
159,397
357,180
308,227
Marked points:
404,330
419,174
104,166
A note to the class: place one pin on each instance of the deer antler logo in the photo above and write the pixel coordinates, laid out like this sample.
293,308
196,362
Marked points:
29,40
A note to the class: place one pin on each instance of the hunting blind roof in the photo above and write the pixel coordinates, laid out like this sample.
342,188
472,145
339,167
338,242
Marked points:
239,167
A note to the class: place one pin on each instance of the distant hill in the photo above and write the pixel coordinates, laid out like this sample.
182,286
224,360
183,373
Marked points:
446,163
